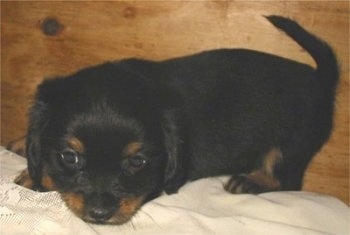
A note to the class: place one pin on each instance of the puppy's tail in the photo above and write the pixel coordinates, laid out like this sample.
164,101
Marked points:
321,52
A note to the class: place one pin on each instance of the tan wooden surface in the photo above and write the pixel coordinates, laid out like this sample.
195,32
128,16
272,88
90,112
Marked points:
94,32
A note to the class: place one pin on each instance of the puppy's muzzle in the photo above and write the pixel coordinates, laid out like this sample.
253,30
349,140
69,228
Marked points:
100,207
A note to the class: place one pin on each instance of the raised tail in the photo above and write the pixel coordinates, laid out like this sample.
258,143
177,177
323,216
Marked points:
321,52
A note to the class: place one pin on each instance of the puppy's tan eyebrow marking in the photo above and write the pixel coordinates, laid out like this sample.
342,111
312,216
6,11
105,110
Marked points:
132,148
75,144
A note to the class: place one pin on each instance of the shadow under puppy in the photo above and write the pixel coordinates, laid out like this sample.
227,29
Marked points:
112,137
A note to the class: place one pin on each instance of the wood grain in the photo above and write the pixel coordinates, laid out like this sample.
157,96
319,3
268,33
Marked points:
93,32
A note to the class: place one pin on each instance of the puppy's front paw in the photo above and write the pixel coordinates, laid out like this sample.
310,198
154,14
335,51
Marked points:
254,183
24,179
17,146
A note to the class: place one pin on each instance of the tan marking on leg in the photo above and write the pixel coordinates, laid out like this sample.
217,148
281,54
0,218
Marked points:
132,148
254,182
259,180
18,146
266,181
24,179
270,160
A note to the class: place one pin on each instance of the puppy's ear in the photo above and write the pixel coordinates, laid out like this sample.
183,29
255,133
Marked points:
37,121
176,171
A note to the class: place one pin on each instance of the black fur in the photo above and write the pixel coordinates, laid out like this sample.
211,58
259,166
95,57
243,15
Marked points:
214,113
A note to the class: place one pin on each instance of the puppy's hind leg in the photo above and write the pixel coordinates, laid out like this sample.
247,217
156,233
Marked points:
296,158
260,180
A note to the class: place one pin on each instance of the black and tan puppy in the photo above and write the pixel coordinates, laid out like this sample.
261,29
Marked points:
112,137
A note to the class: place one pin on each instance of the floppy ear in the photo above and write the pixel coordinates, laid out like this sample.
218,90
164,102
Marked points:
176,168
37,121
48,93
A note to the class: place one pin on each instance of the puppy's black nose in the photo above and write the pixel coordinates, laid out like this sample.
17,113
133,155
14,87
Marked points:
100,214
101,206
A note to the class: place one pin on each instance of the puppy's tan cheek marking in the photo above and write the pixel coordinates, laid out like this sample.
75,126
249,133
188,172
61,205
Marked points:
75,202
47,183
128,207
132,148
24,179
75,144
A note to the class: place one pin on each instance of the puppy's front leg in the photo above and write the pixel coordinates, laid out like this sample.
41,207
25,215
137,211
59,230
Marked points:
18,146
24,179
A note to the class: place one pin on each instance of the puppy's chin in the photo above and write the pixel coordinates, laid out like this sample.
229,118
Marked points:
126,208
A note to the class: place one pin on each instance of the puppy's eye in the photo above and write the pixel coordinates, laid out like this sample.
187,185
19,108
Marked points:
133,164
70,157
137,161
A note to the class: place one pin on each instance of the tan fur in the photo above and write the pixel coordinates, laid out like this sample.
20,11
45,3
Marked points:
24,179
18,146
127,208
270,160
75,144
132,148
75,202
47,182
262,177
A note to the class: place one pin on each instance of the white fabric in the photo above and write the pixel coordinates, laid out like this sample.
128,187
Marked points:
200,207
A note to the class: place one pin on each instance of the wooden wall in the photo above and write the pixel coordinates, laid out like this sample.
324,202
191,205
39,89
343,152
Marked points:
46,39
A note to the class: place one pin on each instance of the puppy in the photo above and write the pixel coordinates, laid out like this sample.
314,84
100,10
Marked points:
111,137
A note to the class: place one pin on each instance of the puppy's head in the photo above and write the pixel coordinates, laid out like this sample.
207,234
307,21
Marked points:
99,137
